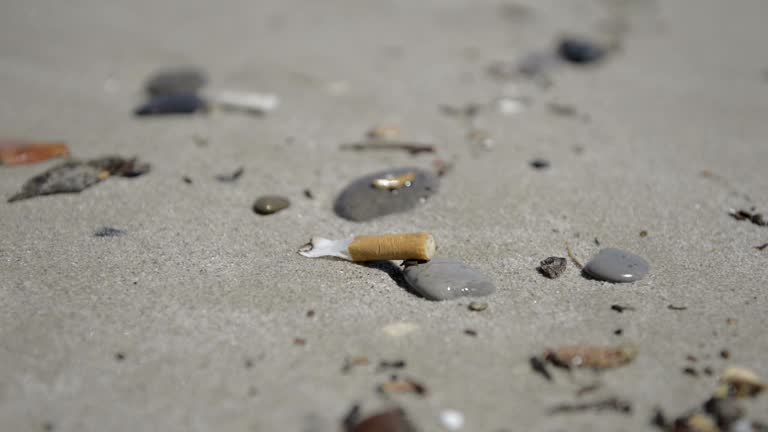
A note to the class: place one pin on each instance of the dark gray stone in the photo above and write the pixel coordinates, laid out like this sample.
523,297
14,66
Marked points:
361,201
270,204
178,80
615,265
442,279
172,104
553,267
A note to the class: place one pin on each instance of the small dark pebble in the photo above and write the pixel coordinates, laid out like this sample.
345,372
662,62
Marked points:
677,308
172,104
119,356
553,267
248,363
308,193
643,234
690,371
725,354
183,79
109,232
579,51
230,178
393,364
270,204
539,164
621,309
470,332
708,371
618,332
310,313
186,180
540,367
597,242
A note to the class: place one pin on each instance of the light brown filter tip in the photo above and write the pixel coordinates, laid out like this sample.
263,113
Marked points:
416,246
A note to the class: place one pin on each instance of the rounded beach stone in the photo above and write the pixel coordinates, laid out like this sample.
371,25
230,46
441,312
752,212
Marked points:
178,80
442,279
616,265
270,204
580,51
362,201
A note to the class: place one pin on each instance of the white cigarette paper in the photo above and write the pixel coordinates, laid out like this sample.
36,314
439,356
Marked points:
245,101
415,246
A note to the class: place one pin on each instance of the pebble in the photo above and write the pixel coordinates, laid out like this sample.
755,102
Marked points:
270,204
539,164
451,419
442,279
178,80
553,267
615,265
109,232
361,201
172,104
580,51
478,306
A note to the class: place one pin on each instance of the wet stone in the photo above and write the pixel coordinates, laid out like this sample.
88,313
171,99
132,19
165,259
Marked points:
270,204
579,50
615,265
442,279
553,267
172,104
109,232
361,200
178,80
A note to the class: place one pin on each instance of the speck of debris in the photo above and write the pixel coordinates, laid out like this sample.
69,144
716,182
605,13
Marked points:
730,321
470,332
677,308
119,356
308,194
691,358
690,371
252,391
621,309
540,367
643,234
587,389
230,178
610,404
186,180
48,427
756,218
725,354
299,341
109,232
350,362
391,364
478,306
708,371
248,363
563,110
400,386
618,332
553,267
761,247
310,313
539,164
597,242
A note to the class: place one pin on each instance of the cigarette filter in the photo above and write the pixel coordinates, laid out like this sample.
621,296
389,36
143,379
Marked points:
416,246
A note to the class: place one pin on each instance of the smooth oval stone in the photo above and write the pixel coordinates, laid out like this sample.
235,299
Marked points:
178,80
580,51
361,201
442,279
270,204
172,104
616,265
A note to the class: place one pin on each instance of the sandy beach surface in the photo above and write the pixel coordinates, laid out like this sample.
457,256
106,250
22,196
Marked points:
189,321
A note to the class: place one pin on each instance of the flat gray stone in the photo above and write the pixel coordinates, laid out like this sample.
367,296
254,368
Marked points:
616,265
442,279
177,80
270,204
361,201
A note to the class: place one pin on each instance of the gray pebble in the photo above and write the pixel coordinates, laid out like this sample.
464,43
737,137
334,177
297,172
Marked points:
270,204
178,80
442,279
361,201
615,265
478,306
553,267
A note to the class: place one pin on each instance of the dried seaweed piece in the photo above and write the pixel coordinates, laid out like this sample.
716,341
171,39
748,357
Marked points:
410,147
68,177
401,386
394,420
611,404
230,178
621,309
761,247
750,215
677,308
540,367
394,364
591,357
20,152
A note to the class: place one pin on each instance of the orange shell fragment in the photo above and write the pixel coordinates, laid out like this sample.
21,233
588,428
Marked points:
19,152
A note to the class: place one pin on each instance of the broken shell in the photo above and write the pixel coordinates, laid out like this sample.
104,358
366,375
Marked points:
394,183
741,383
591,357
384,133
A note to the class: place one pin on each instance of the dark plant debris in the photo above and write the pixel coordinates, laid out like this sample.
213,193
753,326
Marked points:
540,367
750,215
539,164
310,313
109,232
610,404
643,234
308,194
74,176
299,341
761,247
580,51
393,420
677,308
410,147
725,354
391,364
187,180
621,309
690,371
618,332
553,267
119,356
232,177
470,332
587,389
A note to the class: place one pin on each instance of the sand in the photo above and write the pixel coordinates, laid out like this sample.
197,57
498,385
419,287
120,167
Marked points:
201,285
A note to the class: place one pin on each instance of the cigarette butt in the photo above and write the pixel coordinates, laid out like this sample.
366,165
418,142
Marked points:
416,246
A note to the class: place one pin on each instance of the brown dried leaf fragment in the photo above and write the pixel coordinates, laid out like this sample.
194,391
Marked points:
591,357
402,386
19,152
410,147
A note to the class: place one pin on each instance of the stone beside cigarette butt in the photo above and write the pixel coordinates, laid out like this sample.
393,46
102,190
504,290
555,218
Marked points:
416,246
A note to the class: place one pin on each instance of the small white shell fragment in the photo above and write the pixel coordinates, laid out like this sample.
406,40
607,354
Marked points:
511,106
399,328
451,419
247,101
320,247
